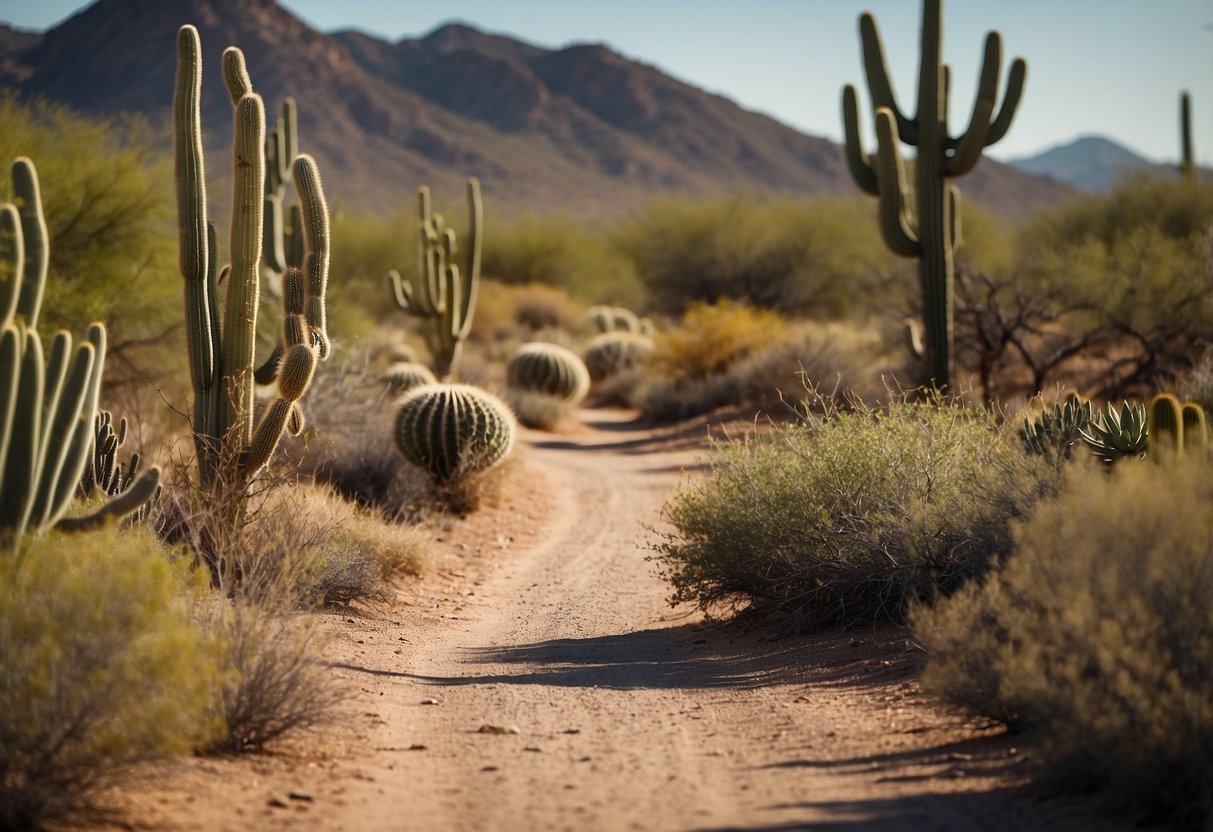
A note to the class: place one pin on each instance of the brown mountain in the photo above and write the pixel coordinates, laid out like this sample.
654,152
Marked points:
580,129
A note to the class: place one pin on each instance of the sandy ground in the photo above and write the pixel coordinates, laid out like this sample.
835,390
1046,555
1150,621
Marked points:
538,680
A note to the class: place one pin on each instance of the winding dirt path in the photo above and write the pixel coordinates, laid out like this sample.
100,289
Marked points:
540,681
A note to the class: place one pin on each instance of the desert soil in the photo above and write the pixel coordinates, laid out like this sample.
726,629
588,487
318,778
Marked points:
537,679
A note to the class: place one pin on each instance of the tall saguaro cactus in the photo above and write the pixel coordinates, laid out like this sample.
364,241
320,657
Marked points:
923,221
230,443
448,294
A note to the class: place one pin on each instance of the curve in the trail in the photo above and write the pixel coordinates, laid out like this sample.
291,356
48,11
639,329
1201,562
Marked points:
619,713
549,686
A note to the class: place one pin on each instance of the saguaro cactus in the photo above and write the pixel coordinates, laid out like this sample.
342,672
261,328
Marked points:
231,444
448,294
47,403
923,221
1186,166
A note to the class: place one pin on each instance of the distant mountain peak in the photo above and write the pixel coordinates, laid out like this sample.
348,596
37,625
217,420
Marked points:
581,129
1090,162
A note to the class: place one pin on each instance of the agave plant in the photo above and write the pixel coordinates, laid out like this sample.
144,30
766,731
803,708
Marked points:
1118,433
1054,433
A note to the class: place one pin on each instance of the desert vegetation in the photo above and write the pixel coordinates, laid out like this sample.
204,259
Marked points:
1019,488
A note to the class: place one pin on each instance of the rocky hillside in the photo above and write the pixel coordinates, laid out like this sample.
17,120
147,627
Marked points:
581,129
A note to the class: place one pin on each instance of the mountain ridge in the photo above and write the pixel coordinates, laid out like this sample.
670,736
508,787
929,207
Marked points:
580,129
1090,163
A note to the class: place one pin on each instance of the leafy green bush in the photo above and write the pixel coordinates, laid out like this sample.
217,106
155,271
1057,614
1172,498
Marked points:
558,252
849,519
103,667
1098,635
108,201
816,257
1134,271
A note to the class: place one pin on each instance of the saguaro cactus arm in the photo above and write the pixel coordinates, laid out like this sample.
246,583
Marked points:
316,247
35,240
243,289
12,262
880,85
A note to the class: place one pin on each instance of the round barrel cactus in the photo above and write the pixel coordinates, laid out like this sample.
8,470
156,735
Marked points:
405,375
453,430
548,369
614,351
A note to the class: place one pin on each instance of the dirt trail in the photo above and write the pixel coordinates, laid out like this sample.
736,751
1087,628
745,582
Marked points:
569,696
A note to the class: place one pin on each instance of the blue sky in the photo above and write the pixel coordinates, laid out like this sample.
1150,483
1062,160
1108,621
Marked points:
1108,67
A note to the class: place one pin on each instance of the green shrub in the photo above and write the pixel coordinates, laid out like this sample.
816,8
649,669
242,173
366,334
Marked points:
1098,634
108,203
816,257
1133,265
103,668
848,520
559,252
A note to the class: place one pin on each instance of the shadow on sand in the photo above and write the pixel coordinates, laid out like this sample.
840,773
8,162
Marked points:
688,656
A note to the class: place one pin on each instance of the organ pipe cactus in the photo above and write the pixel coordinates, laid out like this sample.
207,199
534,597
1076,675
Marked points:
447,297
453,430
548,369
231,445
47,402
923,221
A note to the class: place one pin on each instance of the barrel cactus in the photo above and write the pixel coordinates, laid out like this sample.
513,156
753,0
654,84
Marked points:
613,352
453,430
548,369
405,375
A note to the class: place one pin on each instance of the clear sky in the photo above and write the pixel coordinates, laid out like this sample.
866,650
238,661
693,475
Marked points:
1107,67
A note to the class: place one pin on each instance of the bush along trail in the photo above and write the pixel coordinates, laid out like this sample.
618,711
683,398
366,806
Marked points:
541,681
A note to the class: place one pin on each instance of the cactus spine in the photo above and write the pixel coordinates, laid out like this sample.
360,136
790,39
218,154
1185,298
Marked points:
231,445
453,430
447,299
47,403
923,221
